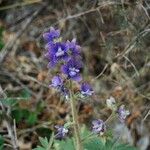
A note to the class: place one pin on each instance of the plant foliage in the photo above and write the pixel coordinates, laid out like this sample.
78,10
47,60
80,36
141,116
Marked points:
92,142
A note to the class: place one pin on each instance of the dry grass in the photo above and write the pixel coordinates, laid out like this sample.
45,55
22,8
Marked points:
114,35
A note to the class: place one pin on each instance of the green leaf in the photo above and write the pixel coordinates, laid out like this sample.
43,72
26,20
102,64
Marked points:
124,147
66,144
44,142
20,114
39,148
94,144
24,114
109,144
9,101
84,132
25,93
32,118
12,101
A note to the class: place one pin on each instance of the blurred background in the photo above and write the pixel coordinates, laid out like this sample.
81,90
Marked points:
115,40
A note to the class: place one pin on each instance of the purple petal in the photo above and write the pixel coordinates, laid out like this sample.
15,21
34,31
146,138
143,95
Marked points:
86,89
56,81
77,78
51,35
64,69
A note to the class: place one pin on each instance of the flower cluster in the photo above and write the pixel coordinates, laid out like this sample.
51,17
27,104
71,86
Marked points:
58,83
61,132
68,54
86,89
98,127
122,113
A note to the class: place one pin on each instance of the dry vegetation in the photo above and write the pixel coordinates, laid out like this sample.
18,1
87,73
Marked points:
114,35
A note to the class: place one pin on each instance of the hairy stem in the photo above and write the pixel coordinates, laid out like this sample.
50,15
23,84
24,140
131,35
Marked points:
75,123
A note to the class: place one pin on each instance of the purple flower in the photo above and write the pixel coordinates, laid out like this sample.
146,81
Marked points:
98,127
73,47
122,113
86,89
51,35
57,82
61,132
72,69
57,52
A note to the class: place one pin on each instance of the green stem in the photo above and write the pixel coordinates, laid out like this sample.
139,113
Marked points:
75,123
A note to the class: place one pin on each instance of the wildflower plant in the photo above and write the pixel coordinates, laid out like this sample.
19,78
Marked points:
61,132
99,126
66,56
122,113
86,90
